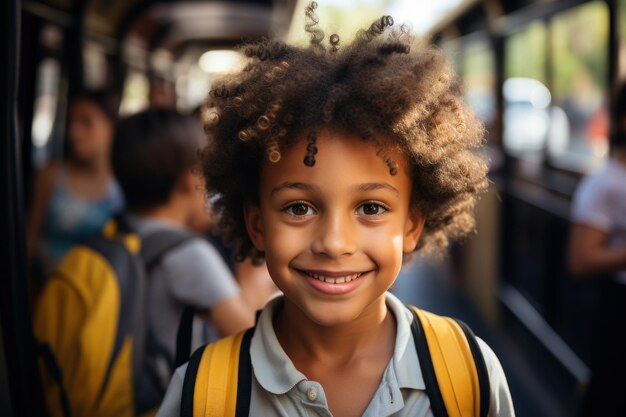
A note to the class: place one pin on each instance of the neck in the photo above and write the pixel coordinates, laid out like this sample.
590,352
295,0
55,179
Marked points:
169,213
96,166
305,340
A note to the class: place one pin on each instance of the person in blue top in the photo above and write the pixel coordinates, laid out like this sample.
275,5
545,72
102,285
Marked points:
74,197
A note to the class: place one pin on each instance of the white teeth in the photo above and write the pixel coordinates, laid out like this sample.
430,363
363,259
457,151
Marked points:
337,280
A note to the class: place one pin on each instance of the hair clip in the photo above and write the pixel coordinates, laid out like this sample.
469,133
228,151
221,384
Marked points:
311,150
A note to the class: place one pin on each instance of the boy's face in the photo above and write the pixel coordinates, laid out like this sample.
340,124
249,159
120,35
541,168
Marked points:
334,234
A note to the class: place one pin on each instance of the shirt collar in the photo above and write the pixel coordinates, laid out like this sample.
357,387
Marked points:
405,361
277,374
272,367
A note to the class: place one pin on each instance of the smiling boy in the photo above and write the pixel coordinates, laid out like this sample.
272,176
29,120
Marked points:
333,237
333,165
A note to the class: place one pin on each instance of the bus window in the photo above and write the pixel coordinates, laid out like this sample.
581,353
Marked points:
579,45
94,59
135,95
478,71
452,47
45,126
191,88
526,97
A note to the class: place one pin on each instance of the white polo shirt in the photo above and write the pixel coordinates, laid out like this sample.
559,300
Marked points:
279,389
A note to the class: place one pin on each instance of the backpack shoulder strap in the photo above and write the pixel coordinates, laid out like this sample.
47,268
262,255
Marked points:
218,381
119,252
454,372
481,368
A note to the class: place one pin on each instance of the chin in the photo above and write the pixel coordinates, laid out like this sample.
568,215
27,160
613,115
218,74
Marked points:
333,316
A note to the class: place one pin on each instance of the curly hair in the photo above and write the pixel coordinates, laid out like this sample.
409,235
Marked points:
385,87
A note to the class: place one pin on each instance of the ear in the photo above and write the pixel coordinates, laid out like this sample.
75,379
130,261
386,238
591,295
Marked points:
412,230
254,225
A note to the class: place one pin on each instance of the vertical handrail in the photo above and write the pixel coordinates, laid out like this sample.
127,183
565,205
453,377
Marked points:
18,369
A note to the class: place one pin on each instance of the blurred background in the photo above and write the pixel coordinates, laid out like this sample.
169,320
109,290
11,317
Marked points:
539,74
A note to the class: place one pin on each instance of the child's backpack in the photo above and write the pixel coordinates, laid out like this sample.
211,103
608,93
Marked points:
218,381
100,358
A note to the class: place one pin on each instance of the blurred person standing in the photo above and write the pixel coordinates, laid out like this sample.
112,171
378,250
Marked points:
153,157
74,197
598,249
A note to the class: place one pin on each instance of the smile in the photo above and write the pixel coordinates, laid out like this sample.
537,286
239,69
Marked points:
334,280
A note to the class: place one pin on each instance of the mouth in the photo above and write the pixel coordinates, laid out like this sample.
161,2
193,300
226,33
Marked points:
333,277
334,283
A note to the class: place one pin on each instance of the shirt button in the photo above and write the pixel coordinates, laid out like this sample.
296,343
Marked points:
311,394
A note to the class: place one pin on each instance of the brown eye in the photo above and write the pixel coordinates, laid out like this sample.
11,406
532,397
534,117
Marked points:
371,209
299,209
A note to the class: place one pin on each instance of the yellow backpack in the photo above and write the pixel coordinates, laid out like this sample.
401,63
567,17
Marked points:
98,355
218,378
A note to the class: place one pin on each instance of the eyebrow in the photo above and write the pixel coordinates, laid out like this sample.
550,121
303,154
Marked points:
370,186
373,186
294,186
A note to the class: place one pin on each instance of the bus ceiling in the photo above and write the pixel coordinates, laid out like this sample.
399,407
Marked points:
173,26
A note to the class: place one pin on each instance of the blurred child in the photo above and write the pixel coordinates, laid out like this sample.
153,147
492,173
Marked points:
333,164
153,157
76,196
598,249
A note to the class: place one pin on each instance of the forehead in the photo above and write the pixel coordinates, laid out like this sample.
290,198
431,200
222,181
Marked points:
342,157
84,105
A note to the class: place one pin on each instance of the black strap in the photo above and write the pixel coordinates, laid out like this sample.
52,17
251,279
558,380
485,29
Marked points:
428,371
183,336
481,369
189,383
244,376
44,351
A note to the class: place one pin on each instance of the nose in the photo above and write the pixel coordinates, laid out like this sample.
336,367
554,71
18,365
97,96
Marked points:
335,236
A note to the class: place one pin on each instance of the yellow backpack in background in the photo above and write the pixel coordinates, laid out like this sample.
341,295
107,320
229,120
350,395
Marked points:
218,380
91,326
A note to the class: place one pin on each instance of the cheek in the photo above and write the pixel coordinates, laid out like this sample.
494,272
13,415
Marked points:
284,241
103,132
76,131
384,243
